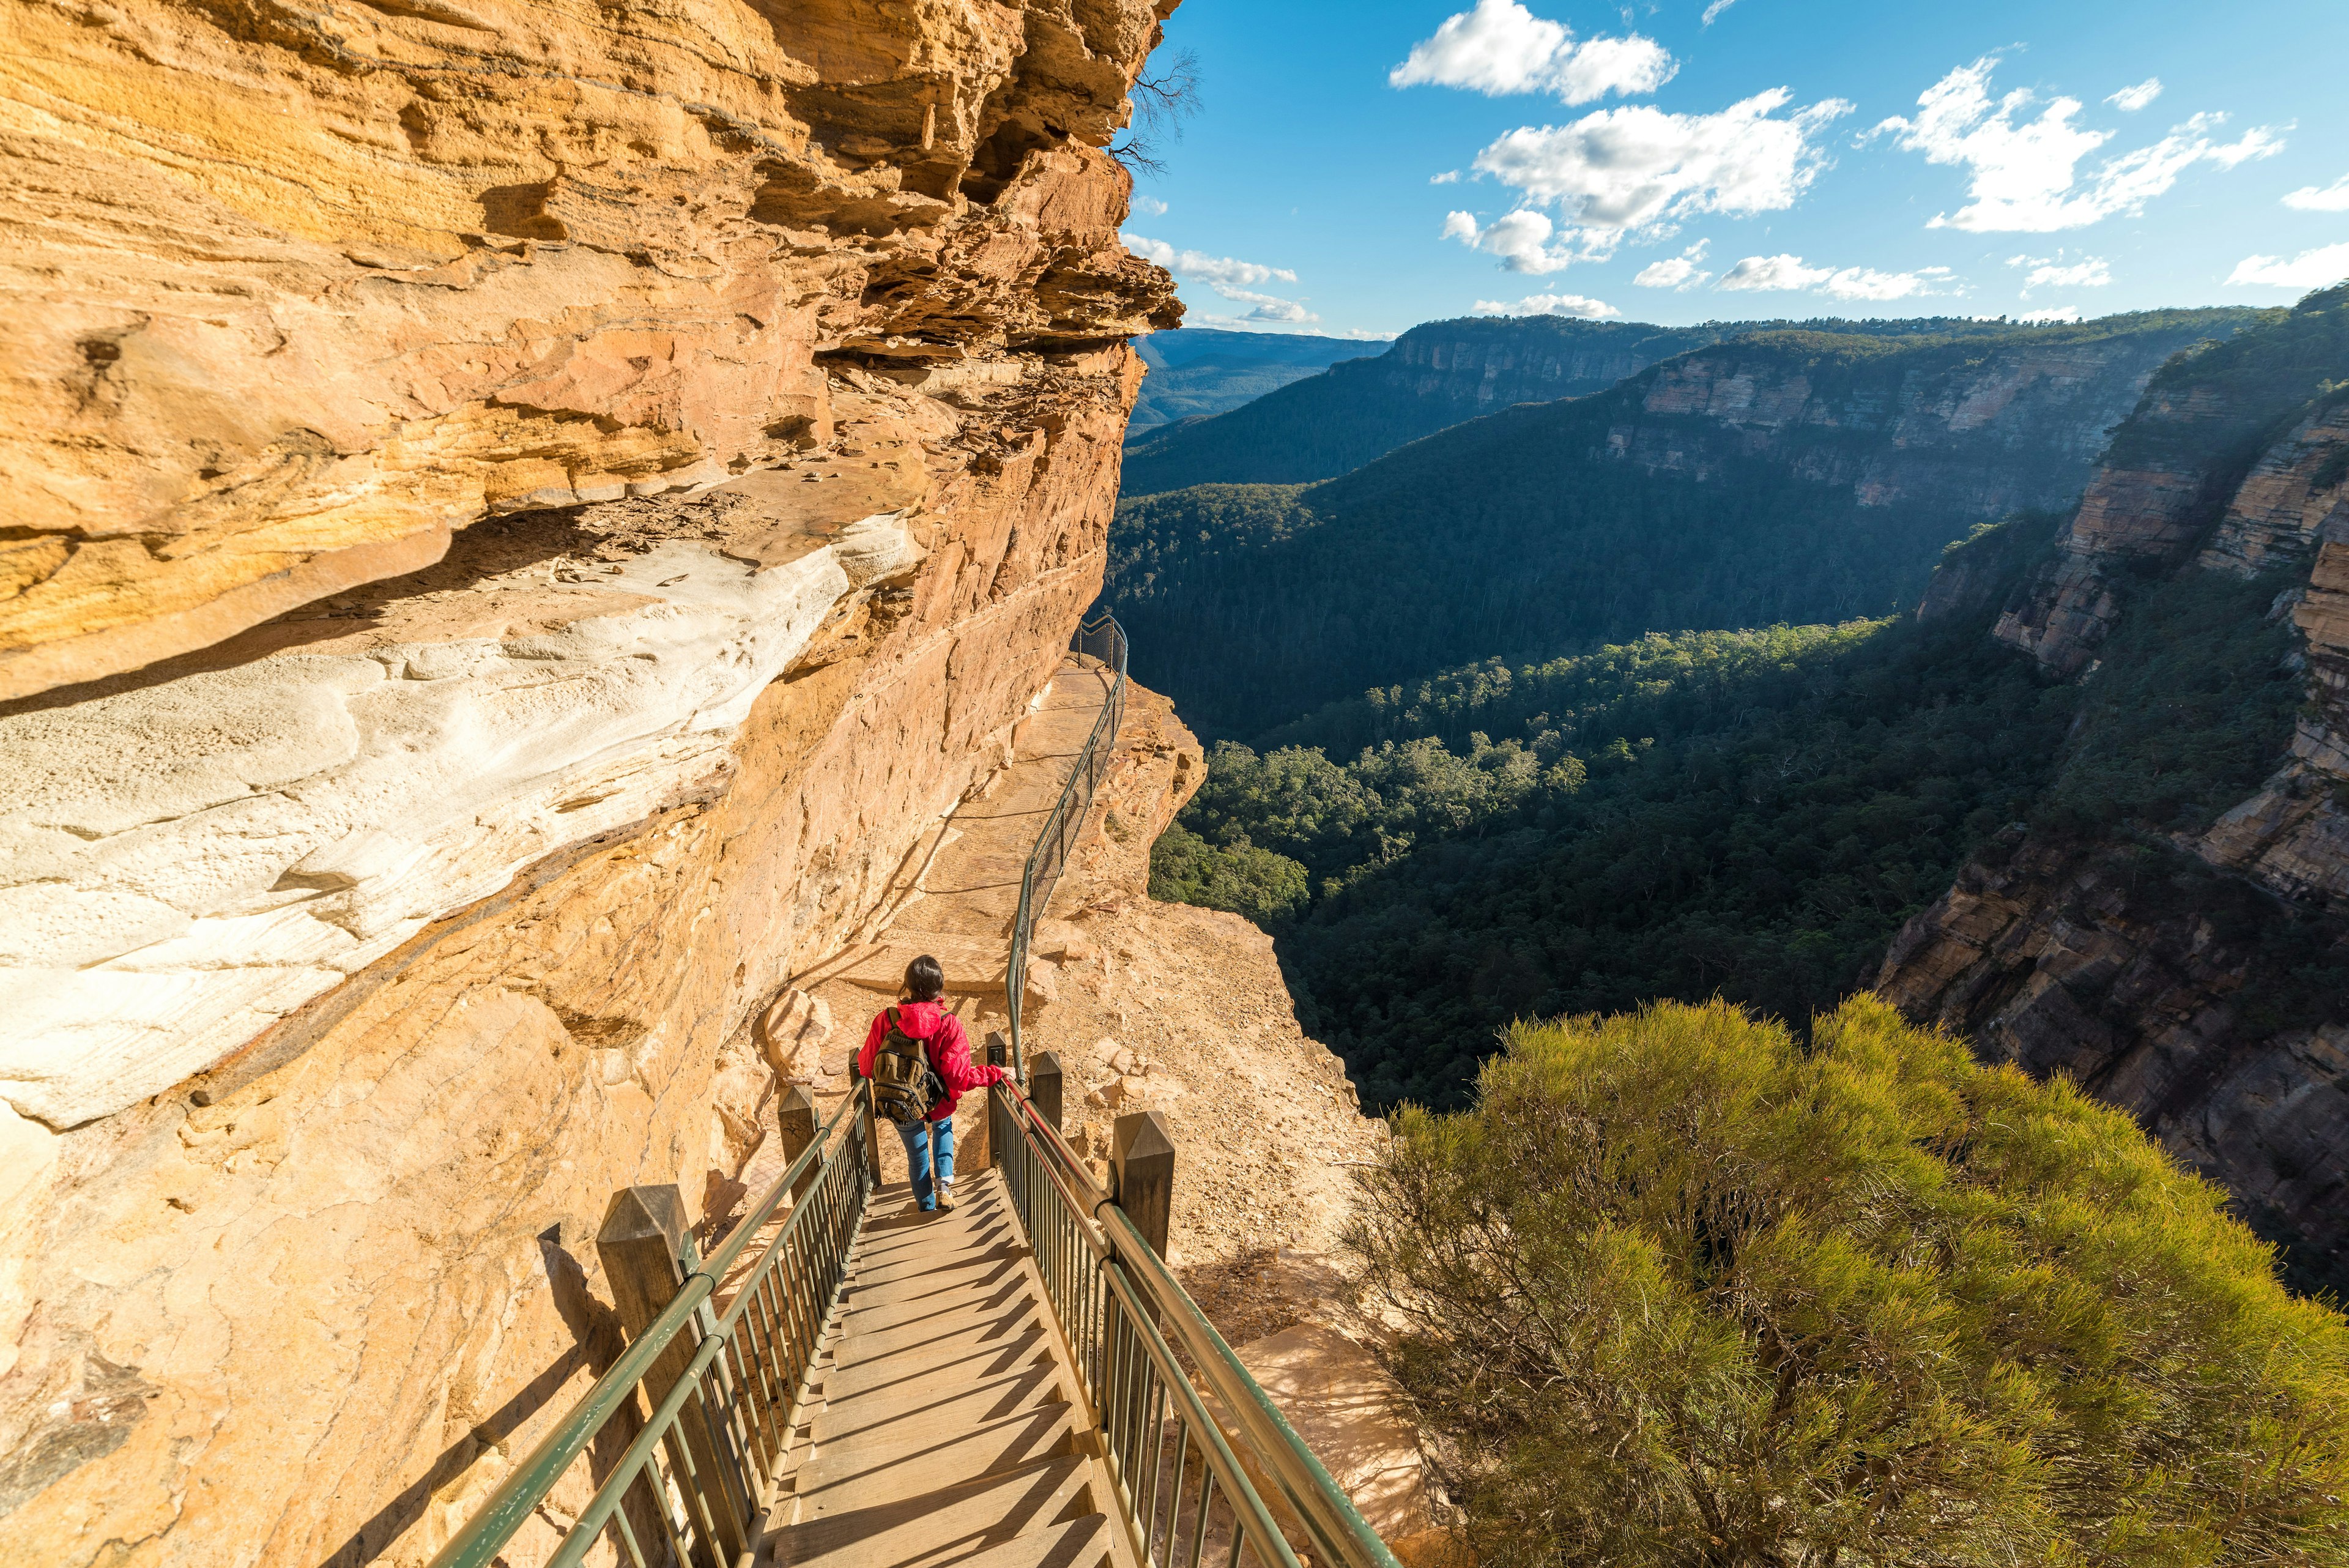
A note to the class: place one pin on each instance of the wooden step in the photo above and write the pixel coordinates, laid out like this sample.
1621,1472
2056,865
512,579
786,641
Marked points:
977,1225
980,1353
885,1468
1080,1542
942,1335
966,1359
916,1277
951,1524
959,1303
986,1399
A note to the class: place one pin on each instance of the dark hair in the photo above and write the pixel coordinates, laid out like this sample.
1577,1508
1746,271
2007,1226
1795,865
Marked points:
924,979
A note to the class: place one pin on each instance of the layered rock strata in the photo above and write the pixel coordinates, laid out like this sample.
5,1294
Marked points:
2071,958
2153,983
530,518
2181,461
293,294
1979,430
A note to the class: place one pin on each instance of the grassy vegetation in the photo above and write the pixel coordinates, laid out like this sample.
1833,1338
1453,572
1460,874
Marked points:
1679,1290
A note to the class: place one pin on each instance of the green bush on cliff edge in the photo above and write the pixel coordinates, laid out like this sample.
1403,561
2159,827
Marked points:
1678,1290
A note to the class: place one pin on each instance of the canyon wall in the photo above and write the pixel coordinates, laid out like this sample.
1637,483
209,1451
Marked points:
1976,429
530,518
1471,367
2191,973
1436,375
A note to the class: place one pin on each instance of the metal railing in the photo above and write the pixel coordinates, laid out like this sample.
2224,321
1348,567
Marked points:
710,1449
1102,640
1185,1495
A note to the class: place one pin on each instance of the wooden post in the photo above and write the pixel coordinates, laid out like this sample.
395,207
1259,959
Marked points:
795,1118
643,1233
1142,1168
1045,1087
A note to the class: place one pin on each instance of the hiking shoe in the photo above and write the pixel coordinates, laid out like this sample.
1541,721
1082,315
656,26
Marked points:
946,1200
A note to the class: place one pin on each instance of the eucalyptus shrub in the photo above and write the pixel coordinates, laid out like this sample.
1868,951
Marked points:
1677,1289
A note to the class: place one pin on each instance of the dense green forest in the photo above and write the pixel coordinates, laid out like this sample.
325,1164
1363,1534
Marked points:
1747,814
2253,385
1247,604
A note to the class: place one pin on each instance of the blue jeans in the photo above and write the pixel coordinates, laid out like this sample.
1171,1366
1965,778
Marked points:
919,1138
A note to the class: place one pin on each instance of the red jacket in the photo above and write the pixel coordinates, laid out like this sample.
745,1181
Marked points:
941,1036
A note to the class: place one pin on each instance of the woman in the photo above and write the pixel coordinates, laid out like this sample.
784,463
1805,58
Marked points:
929,1143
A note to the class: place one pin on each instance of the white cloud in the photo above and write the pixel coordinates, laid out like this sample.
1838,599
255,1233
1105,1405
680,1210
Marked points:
2332,198
1638,168
1251,323
1203,267
2129,100
1787,274
1502,47
1715,9
1675,272
1150,206
1269,306
1449,177
1228,276
2308,269
1866,283
2088,272
2023,172
1574,305
2052,314
1521,239
1774,272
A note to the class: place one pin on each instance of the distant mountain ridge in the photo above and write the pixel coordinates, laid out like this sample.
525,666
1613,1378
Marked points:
1198,372
1436,375
1793,476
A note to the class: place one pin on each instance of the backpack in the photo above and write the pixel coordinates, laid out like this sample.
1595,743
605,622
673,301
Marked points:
905,1084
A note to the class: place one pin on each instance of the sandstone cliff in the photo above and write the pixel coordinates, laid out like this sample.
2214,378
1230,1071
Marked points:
529,515
1436,375
2191,970
1969,392
1971,428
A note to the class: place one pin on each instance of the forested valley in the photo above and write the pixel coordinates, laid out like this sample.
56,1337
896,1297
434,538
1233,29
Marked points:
1793,477
1506,727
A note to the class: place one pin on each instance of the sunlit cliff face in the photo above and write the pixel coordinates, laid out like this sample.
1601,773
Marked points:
526,514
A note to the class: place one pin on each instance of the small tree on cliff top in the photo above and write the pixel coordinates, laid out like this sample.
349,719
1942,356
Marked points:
1678,1290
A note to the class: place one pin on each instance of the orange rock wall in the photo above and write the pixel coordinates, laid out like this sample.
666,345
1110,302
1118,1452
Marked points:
726,398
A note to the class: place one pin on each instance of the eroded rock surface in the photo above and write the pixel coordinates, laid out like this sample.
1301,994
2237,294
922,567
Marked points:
528,518
2168,974
291,294
1979,430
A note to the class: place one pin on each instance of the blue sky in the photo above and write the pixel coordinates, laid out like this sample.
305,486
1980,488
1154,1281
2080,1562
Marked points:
1750,157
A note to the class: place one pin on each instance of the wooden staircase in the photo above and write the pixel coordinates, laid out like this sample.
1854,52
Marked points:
950,1427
